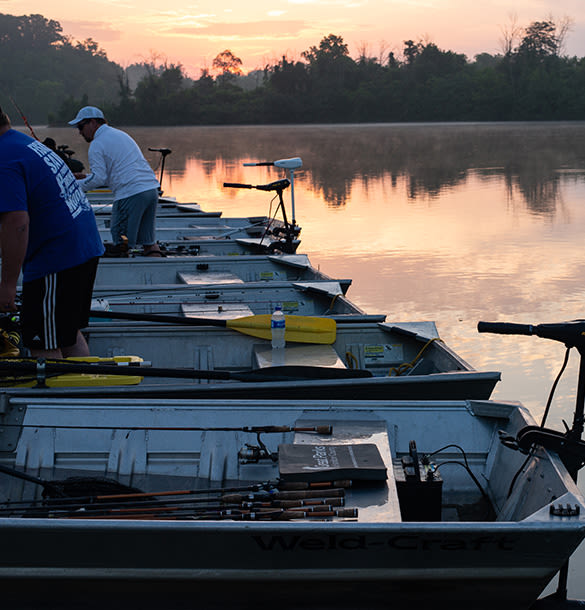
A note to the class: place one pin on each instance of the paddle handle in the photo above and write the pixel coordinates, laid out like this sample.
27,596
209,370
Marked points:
161,319
15,368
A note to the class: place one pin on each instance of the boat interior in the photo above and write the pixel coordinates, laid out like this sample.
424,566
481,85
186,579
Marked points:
401,468
383,349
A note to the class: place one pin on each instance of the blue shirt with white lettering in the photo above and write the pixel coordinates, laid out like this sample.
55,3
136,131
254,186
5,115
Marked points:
62,227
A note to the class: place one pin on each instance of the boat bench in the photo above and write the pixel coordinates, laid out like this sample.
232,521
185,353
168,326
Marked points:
216,277
299,354
375,503
216,311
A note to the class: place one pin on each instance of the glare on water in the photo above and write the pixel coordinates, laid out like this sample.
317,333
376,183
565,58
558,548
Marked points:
454,223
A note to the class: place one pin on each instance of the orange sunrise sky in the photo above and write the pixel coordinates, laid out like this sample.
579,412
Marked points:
193,32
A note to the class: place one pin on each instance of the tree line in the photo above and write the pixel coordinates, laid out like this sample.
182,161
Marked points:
51,76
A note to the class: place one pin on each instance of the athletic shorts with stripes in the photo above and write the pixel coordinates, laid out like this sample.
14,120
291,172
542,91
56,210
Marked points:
56,306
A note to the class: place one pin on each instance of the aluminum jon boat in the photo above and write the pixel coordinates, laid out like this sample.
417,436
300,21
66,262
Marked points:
201,270
311,297
252,504
367,360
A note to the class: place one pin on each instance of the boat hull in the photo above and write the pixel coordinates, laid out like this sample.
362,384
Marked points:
373,561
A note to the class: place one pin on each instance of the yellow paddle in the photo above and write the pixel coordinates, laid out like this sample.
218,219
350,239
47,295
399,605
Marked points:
299,329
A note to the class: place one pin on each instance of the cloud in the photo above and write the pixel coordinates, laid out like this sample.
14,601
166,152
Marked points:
251,29
99,31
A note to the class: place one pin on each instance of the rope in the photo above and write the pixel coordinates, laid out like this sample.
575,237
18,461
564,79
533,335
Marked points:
351,361
330,308
406,366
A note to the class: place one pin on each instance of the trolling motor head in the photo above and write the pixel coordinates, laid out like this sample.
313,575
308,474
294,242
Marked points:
290,164
293,163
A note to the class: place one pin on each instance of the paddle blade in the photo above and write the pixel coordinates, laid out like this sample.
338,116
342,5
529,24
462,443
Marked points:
299,329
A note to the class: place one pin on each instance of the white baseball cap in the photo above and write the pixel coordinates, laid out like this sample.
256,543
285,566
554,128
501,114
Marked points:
87,112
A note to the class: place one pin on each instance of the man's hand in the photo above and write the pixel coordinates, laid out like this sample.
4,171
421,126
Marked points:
7,298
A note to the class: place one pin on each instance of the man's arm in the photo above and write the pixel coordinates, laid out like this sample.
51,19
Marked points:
98,176
13,245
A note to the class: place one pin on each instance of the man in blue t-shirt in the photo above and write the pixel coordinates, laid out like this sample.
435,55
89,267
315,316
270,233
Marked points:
47,231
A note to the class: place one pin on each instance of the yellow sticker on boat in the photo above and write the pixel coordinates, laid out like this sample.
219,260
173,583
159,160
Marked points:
386,353
289,306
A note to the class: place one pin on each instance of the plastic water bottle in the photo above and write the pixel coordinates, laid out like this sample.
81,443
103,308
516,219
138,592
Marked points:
277,328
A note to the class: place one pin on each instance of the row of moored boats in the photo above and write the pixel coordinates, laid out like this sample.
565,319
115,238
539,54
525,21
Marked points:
362,465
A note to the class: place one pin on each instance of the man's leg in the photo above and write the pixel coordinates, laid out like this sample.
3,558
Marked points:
80,348
146,232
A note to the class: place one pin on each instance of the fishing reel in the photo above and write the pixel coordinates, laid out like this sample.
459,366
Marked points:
252,454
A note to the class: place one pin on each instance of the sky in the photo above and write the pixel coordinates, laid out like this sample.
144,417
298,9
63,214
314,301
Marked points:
260,32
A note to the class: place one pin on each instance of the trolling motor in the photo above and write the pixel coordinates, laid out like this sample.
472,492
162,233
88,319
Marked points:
290,165
289,232
164,152
568,444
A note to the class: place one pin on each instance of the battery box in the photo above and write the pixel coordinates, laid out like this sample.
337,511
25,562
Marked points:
419,486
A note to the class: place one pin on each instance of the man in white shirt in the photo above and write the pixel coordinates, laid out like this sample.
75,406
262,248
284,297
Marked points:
116,161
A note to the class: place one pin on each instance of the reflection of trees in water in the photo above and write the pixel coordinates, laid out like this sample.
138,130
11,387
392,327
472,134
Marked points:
432,181
432,157
539,187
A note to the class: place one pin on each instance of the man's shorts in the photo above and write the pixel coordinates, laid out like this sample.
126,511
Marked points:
56,306
135,217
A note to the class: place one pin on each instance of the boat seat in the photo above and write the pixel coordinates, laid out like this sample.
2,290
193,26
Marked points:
299,354
375,503
216,311
206,277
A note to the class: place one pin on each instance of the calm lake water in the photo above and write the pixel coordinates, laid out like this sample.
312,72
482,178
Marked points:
454,223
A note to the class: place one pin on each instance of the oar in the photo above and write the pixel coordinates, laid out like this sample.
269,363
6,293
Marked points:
299,329
273,373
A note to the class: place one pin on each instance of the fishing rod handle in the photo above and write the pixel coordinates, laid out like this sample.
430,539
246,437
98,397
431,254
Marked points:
310,493
325,430
314,502
505,328
299,485
300,514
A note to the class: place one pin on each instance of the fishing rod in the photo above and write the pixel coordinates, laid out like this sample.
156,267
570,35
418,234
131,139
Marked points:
111,490
198,504
273,515
324,430
34,135
55,507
